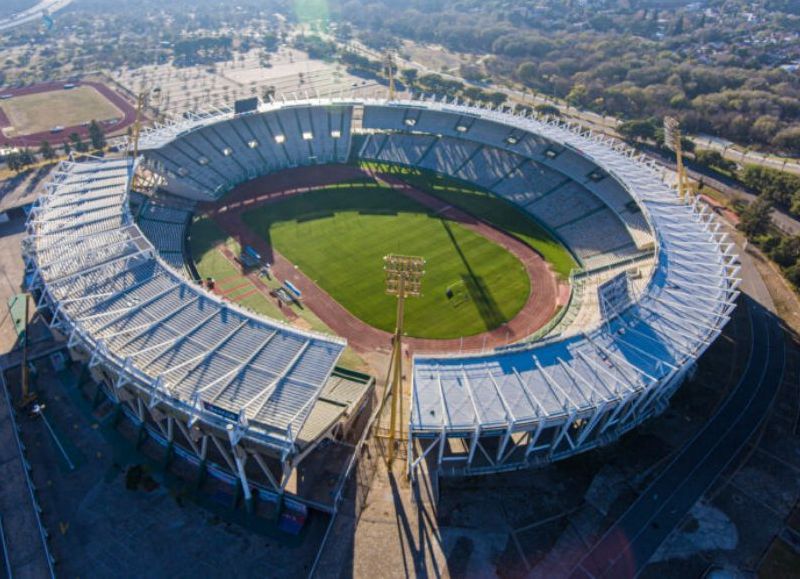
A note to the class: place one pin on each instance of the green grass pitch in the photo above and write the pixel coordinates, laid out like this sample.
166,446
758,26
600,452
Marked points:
339,236
490,208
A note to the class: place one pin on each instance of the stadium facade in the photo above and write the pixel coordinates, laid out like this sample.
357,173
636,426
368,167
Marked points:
263,395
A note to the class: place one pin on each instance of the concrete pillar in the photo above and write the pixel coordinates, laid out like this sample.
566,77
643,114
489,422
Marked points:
141,435
169,453
98,396
202,473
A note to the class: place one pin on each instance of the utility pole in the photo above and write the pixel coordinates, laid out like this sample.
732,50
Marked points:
403,275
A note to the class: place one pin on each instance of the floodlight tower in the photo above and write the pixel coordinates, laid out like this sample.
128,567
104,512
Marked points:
403,276
137,125
672,140
390,69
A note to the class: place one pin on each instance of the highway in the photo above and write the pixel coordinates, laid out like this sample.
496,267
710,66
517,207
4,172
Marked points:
628,545
782,220
733,152
33,13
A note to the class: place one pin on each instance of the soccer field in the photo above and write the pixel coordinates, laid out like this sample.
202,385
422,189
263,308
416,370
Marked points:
339,236
39,112
490,208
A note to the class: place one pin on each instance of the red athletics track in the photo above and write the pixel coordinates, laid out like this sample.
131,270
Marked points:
127,110
537,311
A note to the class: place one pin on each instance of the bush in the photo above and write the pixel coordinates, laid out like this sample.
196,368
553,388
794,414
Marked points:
768,243
637,130
793,274
547,110
787,252
756,219
781,188
714,160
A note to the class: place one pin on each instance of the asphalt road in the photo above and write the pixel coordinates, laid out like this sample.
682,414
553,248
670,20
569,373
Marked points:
782,220
626,548
34,13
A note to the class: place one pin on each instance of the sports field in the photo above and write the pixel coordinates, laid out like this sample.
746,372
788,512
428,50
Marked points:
206,242
40,112
339,236
490,208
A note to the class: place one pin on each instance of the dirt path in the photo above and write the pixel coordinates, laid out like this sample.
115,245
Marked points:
539,308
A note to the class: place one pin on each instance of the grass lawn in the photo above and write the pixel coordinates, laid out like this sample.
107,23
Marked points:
39,112
490,208
339,236
206,237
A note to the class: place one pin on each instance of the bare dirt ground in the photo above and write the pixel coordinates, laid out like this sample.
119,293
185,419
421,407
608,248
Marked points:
289,72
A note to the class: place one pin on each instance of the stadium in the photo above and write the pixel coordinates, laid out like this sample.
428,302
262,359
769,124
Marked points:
261,403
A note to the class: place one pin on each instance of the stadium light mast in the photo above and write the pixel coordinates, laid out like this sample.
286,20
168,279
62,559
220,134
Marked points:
403,274
672,140
137,125
390,69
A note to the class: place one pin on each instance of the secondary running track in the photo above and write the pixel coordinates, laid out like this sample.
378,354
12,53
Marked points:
127,111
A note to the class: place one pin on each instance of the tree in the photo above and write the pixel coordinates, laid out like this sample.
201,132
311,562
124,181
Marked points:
637,130
680,24
780,187
787,252
26,157
789,139
714,160
13,161
793,274
527,72
756,219
578,95
471,72
547,110
497,98
67,148
77,143
46,151
96,136
409,75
